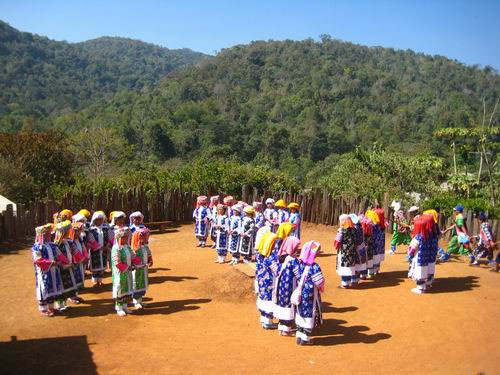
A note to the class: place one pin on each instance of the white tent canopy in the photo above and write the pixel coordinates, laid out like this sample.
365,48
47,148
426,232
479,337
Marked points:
4,202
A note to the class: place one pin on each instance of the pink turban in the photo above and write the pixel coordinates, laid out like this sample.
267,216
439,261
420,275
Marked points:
289,246
309,252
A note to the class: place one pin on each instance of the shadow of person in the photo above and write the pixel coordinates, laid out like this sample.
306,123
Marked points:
176,279
327,307
323,255
92,307
454,284
332,332
169,307
383,280
157,269
66,355
107,287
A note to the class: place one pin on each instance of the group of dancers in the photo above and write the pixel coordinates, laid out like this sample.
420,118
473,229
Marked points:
65,249
288,281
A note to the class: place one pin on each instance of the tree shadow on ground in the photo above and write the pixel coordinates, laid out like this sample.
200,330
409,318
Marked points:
63,355
13,247
333,333
383,280
327,307
454,284
157,269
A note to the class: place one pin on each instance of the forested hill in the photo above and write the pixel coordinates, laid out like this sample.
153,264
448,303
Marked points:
41,77
275,101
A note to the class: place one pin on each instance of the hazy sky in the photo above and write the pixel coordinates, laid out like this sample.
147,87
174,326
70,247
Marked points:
468,31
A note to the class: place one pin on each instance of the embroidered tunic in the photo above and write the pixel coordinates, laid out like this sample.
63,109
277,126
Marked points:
260,221
359,244
47,275
201,215
309,309
67,274
420,261
98,257
264,280
121,261
221,237
346,253
296,219
247,235
234,226
271,216
283,216
79,257
140,274
379,237
284,285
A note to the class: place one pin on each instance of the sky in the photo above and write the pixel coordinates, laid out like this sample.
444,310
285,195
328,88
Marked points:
468,31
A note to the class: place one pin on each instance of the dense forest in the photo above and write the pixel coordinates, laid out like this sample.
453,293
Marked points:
276,114
40,77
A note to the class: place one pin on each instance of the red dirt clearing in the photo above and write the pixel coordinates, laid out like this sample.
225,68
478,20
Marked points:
201,318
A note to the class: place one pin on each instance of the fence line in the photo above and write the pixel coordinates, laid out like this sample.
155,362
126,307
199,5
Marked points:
317,207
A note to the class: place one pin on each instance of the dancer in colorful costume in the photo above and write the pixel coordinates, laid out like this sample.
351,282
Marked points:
486,242
379,233
202,217
122,264
99,243
282,214
264,277
214,201
136,220
234,234
48,284
271,215
346,252
459,241
247,234
80,257
400,228
419,251
295,218
284,284
359,245
142,261
434,233
221,227
70,278
307,296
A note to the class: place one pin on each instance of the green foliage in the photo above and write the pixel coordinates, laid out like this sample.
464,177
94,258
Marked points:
41,77
445,202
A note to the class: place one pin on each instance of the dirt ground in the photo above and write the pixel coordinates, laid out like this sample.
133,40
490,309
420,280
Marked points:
201,318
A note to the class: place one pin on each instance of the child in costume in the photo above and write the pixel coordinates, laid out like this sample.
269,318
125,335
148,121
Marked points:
419,251
271,215
400,228
143,260
359,245
80,257
367,225
458,243
221,227
284,284
346,251
99,243
247,234
295,218
48,284
214,201
202,217
264,278
69,279
486,242
282,214
122,264
136,220
379,233
229,202
311,284
234,234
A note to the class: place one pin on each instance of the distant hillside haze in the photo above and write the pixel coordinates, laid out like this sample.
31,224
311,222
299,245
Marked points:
41,77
